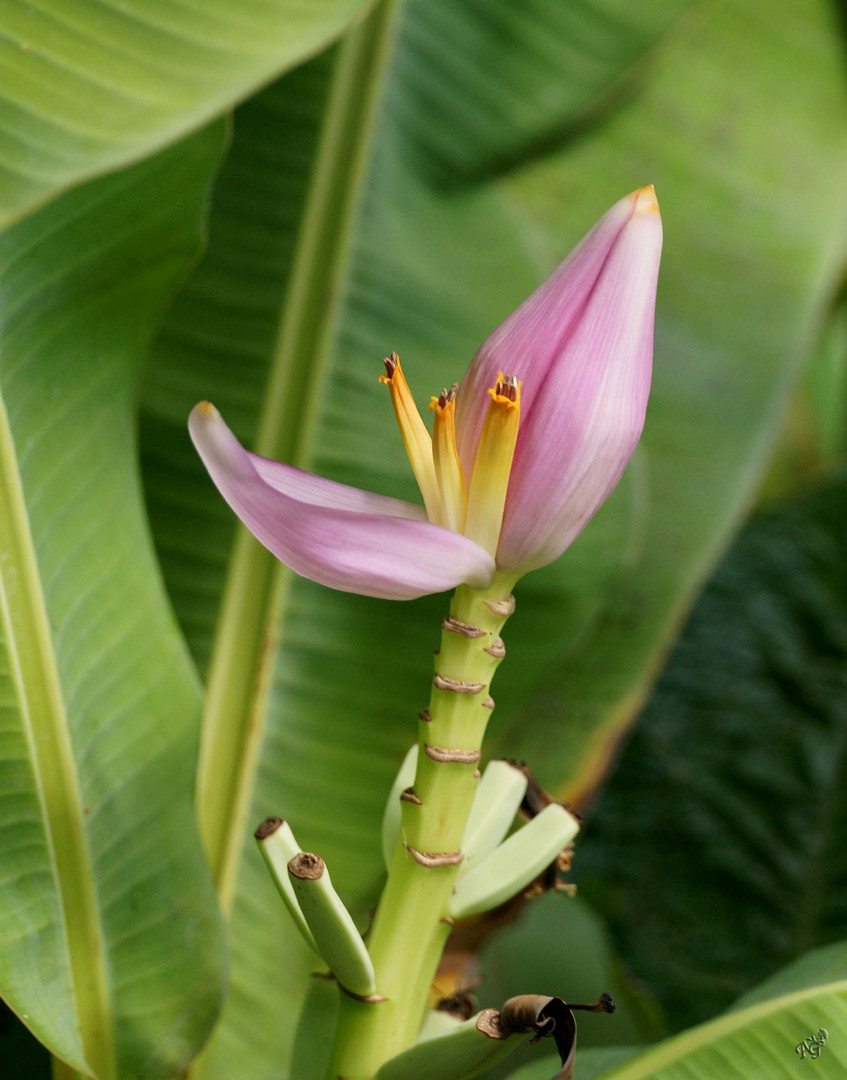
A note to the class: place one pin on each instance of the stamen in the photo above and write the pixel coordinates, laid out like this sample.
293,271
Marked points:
448,470
416,438
506,386
493,464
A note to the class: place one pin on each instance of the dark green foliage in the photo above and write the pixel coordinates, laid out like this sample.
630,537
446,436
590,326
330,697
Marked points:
717,849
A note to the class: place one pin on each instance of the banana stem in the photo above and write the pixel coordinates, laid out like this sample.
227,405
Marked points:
411,925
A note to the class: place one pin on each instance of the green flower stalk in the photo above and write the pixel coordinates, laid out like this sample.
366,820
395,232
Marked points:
412,921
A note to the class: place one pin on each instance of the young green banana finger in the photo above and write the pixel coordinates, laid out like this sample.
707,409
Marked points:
338,940
278,846
461,1053
495,805
514,864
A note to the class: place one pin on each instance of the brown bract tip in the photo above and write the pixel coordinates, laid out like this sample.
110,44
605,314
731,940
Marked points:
456,686
431,859
448,755
268,827
307,866
488,1022
501,608
497,649
456,626
366,999
645,200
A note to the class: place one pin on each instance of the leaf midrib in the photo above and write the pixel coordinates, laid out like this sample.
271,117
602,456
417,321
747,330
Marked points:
44,719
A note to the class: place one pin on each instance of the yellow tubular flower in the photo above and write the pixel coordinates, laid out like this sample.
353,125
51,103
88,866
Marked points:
448,470
416,438
493,464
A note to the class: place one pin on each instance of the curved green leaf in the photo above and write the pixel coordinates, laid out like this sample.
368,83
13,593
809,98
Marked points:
109,938
761,1038
537,75
89,86
283,328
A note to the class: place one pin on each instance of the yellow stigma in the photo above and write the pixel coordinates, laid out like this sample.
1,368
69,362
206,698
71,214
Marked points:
493,464
448,470
416,438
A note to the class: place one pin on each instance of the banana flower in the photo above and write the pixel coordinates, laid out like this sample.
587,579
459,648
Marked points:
522,453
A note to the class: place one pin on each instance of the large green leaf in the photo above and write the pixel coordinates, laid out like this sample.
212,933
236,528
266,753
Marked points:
761,1038
535,75
717,850
109,937
89,85
330,245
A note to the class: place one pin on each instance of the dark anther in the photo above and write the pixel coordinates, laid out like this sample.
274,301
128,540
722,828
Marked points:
391,363
268,827
507,387
462,1005
605,1004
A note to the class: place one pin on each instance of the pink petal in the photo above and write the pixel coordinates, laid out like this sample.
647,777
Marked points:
583,346
337,535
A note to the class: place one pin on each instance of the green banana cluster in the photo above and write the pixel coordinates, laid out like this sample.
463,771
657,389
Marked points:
497,864
495,867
